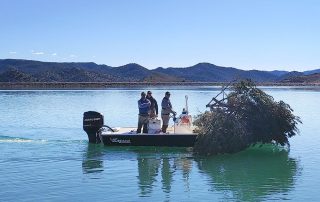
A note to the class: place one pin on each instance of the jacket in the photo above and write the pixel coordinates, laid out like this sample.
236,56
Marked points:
144,106
154,104
166,106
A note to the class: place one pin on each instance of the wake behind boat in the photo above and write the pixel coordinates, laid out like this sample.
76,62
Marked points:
181,134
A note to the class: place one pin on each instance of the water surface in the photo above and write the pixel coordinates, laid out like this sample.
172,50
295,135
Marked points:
45,155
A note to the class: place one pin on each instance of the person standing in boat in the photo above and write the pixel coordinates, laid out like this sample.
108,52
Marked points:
165,112
144,107
154,105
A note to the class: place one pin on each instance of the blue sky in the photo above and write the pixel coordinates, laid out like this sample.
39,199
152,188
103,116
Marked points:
247,34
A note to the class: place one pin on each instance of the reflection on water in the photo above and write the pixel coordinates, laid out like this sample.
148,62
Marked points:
161,166
166,173
147,172
92,162
252,174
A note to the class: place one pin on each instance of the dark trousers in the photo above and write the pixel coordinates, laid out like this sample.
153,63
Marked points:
143,122
165,122
164,128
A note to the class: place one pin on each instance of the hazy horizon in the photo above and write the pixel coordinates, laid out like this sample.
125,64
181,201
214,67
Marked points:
262,35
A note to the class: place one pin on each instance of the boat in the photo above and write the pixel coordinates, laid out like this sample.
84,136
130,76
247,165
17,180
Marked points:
181,134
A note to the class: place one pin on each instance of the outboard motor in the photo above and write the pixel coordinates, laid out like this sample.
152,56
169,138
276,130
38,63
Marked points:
92,122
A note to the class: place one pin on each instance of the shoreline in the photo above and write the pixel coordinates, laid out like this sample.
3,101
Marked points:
107,85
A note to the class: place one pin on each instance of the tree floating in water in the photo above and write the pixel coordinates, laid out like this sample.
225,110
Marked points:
243,117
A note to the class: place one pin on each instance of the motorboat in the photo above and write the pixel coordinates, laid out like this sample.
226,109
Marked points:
180,134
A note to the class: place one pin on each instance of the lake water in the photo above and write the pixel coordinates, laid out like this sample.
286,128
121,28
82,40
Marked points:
45,155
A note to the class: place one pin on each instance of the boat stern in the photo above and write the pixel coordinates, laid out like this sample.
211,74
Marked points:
92,123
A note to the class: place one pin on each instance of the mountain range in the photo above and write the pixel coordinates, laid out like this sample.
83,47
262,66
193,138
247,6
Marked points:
17,70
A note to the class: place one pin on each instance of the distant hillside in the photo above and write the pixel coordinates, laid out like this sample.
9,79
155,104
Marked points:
160,77
312,79
130,72
311,72
14,75
289,75
207,72
69,72
15,70
278,72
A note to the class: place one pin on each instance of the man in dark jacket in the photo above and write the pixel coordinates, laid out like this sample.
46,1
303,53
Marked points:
144,107
165,112
154,105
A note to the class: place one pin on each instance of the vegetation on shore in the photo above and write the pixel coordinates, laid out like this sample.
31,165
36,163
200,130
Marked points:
26,71
106,85
244,117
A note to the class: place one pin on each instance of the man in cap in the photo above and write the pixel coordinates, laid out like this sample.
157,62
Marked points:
144,107
165,112
154,105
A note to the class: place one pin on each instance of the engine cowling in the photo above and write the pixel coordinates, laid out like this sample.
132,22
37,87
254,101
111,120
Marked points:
92,122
